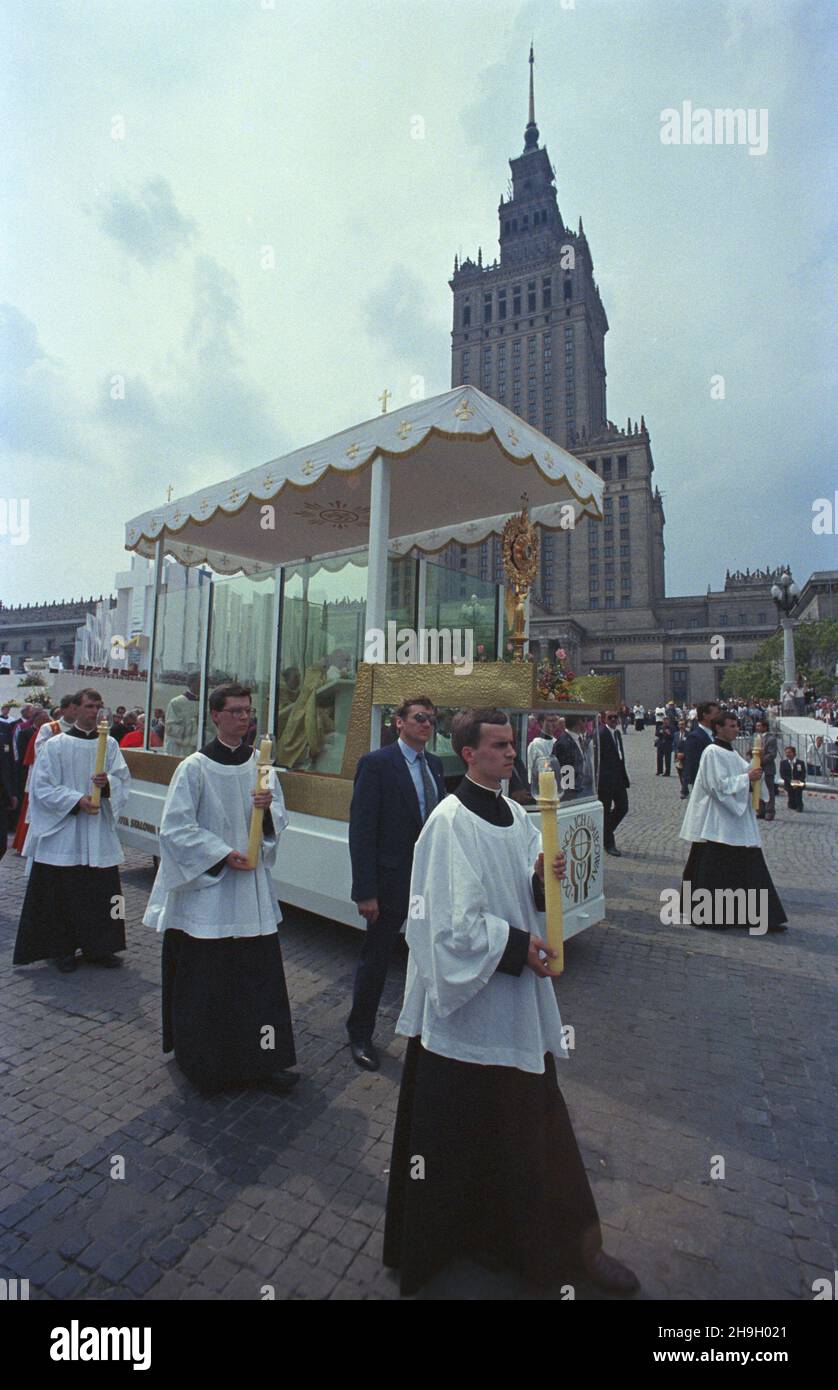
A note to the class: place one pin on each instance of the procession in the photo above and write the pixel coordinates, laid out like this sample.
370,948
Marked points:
417,875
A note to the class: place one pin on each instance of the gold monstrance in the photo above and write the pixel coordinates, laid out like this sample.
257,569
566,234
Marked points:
520,565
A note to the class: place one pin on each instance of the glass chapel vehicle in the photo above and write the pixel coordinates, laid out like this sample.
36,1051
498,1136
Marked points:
288,576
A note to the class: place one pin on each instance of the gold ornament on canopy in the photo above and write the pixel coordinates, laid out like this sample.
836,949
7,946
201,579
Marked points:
520,565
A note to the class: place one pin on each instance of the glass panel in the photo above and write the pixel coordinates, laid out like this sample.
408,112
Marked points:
577,758
462,602
322,642
180,636
242,636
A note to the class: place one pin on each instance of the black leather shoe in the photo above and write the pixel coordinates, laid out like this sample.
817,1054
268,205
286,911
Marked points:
365,1055
609,1275
280,1084
107,962
66,964
612,849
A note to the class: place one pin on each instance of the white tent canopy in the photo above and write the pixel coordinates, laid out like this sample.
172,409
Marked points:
450,457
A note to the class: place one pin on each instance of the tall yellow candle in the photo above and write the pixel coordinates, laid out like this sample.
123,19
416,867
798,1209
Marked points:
756,761
101,754
257,816
549,798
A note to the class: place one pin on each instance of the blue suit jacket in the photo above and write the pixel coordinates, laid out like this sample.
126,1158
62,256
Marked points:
698,739
384,825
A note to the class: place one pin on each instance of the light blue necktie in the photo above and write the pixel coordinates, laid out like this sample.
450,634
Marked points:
428,784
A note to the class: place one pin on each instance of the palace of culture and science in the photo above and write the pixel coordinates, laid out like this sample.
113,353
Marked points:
529,330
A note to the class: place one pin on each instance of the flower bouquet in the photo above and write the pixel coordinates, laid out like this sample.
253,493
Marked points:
555,678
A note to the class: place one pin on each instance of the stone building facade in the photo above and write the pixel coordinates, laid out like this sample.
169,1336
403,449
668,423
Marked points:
529,330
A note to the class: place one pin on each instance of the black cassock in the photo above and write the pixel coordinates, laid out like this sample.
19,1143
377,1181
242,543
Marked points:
219,994
68,907
503,1177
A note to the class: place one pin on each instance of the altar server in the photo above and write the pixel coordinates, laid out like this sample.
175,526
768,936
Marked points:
226,1014
485,1161
721,824
74,897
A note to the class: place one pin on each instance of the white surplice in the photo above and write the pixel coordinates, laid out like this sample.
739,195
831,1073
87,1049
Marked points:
471,881
719,807
62,773
206,815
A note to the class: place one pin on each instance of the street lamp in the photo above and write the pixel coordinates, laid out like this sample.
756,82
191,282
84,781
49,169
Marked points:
785,594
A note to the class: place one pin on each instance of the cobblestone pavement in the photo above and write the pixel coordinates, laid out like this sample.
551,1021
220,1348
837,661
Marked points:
689,1046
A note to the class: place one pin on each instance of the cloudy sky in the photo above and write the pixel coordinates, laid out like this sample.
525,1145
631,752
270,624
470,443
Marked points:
222,240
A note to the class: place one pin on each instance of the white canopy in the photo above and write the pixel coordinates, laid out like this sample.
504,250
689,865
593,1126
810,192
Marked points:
452,456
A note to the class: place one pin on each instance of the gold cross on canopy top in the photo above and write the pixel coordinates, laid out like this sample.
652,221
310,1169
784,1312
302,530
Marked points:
384,398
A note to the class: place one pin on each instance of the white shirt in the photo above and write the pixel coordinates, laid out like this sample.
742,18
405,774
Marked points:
205,816
472,880
720,807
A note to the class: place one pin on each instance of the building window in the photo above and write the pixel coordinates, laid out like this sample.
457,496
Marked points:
693,622
625,601
606,653
679,653
501,304
609,549
609,583
567,289
466,315
530,296
625,567
624,532
622,465
606,469
593,586
609,600
593,602
760,617
625,583
594,567
487,308
743,618
546,292
724,620
625,551
516,300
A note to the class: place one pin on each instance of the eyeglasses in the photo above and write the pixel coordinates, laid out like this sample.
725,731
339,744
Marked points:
422,718
237,713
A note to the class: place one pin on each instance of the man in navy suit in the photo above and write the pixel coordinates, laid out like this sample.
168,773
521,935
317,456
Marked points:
699,738
396,788
613,779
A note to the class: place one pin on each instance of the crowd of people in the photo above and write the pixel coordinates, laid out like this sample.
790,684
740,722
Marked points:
459,864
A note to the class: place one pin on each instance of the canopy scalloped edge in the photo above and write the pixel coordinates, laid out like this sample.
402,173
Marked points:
395,435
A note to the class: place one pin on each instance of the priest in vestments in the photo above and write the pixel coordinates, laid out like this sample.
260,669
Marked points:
485,1162
721,825
74,897
226,1014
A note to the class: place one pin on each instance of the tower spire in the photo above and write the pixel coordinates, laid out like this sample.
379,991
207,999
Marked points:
531,132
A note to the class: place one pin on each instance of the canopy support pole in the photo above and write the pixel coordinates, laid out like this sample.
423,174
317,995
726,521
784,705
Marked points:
152,646
376,608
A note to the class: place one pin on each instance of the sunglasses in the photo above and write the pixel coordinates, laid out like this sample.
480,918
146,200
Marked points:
423,718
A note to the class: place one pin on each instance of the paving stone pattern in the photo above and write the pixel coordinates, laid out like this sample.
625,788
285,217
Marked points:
690,1047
